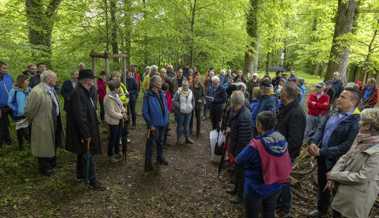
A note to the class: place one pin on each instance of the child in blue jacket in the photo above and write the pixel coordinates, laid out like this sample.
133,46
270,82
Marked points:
16,102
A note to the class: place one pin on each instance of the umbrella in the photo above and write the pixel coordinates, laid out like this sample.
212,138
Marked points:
88,160
278,69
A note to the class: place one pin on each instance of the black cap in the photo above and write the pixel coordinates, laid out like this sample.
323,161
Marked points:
86,74
266,83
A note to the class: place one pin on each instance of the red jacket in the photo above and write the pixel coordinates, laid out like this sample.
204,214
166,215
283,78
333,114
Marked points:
318,106
101,89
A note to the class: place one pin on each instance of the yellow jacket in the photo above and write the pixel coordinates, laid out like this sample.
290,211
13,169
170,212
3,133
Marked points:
146,83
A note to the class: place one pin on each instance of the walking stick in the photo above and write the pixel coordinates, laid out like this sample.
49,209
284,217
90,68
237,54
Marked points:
87,159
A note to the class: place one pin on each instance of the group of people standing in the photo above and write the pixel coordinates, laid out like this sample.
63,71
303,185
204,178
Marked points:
266,127
264,120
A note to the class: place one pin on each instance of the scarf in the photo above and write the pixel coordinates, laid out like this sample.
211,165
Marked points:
183,92
362,142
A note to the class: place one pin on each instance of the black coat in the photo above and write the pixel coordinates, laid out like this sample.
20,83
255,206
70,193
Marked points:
241,130
291,124
131,85
66,91
339,142
82,122
219,100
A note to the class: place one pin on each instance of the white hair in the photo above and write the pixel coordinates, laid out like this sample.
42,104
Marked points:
216,79
45,75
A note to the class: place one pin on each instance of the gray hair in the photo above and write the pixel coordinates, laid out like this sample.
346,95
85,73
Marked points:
154,69
371,116
45,75
154,80
237,98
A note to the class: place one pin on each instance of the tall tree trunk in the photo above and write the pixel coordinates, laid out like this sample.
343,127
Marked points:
114,26
40,27
128,29
339,53
106,25
193,17
370,50
145,41
252,50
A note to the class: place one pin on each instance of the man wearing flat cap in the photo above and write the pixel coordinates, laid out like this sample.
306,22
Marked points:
82,127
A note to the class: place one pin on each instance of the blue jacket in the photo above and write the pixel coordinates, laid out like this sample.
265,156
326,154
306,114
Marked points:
6,85
17,101
340,140
132,87
268,103
254,106
155,112
249,158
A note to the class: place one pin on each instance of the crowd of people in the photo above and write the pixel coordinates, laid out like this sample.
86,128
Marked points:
266,121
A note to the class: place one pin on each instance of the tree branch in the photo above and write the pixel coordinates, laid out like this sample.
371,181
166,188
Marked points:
52,7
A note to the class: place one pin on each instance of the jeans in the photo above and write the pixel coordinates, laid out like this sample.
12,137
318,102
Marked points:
285,199
4,126
266,206
156,138
114,140
80,169
183,124
132,111
323,197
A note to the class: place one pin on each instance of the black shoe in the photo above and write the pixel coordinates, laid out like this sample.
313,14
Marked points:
8,142
148,166
317,214
47,173
162,162
97,186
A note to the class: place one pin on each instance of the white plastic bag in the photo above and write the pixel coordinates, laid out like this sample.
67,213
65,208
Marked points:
215,138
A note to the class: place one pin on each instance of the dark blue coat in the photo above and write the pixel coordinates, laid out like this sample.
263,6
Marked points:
267,103
132,87
155,111
339,142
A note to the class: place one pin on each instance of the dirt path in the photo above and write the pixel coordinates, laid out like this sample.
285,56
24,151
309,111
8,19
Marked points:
188,187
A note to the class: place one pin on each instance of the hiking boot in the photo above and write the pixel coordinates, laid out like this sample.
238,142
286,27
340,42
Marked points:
189,141
97,186
162,162
317,214
148,166
236,199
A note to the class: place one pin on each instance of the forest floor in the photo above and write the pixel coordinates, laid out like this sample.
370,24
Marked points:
187,187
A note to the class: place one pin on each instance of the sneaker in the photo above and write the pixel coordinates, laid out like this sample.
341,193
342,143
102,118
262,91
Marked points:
189,141
236,199
114,159
97,186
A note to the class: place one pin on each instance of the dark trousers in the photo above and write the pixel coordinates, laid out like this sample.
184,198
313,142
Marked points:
156,138
216,115
23,134
46,164
81,169
285,199
239,175
197,115
265,206
101,102
4,127
114,140
323,197
132,112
